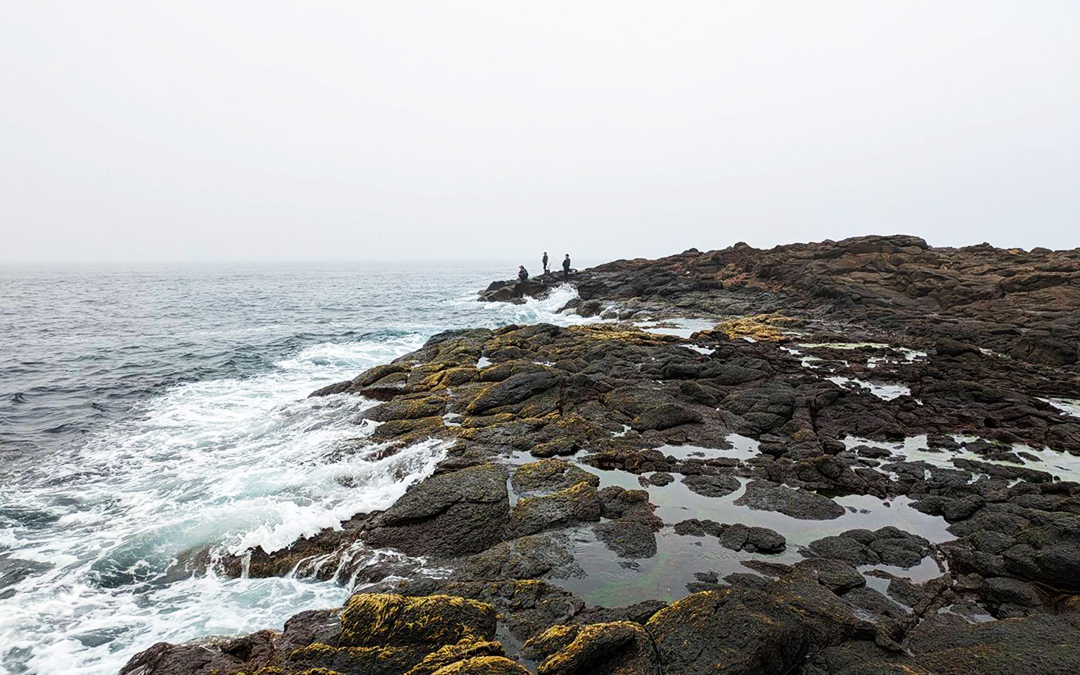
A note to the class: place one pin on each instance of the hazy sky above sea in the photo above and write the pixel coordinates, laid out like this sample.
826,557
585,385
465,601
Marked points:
189,130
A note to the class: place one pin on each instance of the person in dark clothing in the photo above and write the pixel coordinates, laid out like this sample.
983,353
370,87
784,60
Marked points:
544,260
566,266
523,274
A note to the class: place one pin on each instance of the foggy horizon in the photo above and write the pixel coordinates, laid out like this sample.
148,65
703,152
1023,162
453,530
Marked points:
154,132
512,261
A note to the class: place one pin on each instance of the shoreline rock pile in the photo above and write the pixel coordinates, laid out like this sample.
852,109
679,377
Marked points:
860,458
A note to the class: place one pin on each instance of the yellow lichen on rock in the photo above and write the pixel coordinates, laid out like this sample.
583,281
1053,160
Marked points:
483,665
453,377
620,332
620,647
552,640
760,327
450,654
276,670
374,620
354,659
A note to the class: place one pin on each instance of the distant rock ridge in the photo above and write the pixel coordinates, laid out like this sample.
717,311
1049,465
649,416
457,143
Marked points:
1025,304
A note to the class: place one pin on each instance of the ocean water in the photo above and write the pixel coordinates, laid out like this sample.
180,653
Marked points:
149,411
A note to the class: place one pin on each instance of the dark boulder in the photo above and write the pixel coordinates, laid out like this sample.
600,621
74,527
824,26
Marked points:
738,630
550,475
885,546
627,538
619,648
513,389
572,506
836,575
447,515
1039,645
204,657
763,495
712,486
665,416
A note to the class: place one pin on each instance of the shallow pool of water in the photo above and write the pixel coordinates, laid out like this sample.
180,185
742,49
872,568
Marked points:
883,390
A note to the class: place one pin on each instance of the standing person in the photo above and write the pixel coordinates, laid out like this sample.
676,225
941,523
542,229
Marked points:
566,266
544,260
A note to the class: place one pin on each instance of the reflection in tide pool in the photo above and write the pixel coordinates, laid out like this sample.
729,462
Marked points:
882,390
1061,465
612,581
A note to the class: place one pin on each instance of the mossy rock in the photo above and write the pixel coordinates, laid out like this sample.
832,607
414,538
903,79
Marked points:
410,430
407,409
377,620
761,327
620,332
550,474
373,660
574,505
453,377
426,376
449,655
617,648
514,389
378,373
528,557
483,665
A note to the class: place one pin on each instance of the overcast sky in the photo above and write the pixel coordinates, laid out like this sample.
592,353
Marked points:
264,130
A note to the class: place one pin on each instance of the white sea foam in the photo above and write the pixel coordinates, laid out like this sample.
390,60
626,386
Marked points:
230,463
1065,405
532,310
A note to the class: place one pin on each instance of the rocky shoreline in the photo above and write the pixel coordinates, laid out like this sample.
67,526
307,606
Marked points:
839,458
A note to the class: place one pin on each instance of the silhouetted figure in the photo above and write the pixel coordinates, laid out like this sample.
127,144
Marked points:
544,260
566,267
523,274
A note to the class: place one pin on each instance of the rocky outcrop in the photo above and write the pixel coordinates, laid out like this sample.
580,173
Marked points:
619,648
372,635
738,630
886,281
550,475
803,407
886,546
571,506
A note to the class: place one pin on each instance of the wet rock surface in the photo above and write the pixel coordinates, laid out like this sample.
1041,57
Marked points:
450,514
886,546
766,496
835,458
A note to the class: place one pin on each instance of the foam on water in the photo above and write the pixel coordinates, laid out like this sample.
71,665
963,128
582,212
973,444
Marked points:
532,310
1065,405
234,464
